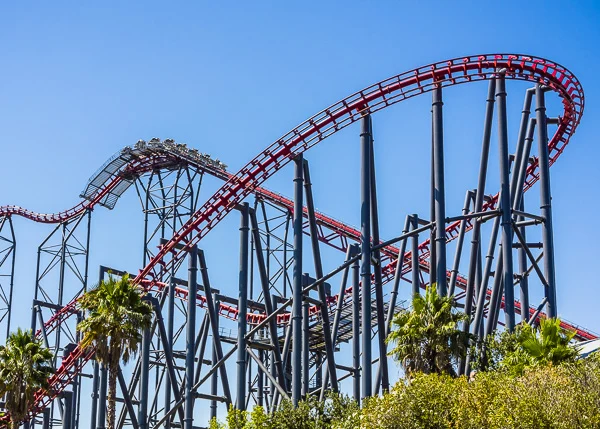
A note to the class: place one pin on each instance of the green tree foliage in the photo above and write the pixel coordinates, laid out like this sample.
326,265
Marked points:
565,396
309,414
528,346
427,338
25,366
550,344
116,317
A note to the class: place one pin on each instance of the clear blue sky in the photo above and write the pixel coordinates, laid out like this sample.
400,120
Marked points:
79,82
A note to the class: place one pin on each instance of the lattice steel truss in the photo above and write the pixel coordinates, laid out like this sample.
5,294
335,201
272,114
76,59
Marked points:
8,247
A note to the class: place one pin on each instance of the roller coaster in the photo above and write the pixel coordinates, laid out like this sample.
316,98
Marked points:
288,329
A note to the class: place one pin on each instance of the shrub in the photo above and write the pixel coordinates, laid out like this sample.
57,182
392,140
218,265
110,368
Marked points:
309,414
565,396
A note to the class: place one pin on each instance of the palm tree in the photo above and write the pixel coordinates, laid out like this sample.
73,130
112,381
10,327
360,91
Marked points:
117,316
528,346
25,366
549,344
427,338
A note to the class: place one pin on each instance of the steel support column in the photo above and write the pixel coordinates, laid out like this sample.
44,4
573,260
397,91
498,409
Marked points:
169,344
305,340
365,239
144,375
416,281
440,193
545,201
95,385
260,382
243,308
46,419
190,344
67,417
7,252
101,423
505,204
382,372
432,247
356,327
214,379
297,284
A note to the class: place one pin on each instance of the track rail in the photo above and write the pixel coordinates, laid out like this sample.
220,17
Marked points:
308,134
368,101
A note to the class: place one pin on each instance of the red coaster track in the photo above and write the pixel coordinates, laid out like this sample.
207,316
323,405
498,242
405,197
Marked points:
248,179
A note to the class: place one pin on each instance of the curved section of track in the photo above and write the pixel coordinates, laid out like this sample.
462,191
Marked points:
308,134
372,99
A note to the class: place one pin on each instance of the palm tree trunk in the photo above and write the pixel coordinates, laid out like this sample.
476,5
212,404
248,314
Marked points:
113,371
